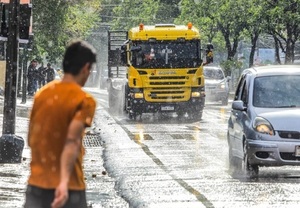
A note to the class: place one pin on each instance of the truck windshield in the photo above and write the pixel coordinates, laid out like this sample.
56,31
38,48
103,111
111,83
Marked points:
166,54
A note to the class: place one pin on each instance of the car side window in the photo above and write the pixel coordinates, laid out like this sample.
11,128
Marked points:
244,96
239,89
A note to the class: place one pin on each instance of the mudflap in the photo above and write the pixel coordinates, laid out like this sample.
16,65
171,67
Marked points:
116,100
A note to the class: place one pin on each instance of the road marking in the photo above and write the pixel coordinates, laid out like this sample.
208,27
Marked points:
200,197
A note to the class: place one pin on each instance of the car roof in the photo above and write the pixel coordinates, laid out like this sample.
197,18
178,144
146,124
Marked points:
212,67
273,70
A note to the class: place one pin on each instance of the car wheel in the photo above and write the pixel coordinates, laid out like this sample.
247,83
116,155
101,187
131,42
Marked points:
250,170
234,162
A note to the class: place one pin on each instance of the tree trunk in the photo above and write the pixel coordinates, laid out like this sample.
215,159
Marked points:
290,45
254,39
277,54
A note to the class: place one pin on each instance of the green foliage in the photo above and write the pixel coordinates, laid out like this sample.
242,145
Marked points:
55,23
230,66
221,22
131,13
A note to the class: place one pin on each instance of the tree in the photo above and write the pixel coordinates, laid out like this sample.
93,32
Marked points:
167,11
131,13
194,13
213,16
57,22
283,21
255,24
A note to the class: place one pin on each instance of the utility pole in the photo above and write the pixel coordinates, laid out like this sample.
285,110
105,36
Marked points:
24,85
11,146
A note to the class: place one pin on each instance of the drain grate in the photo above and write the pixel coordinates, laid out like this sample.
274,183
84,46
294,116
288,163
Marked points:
92,140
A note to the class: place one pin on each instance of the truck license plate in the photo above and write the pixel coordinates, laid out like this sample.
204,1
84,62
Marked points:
297,151
170,108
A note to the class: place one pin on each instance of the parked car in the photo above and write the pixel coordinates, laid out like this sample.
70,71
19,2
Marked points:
216,84
263,128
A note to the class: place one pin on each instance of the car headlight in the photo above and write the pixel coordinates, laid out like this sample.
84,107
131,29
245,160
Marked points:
263,126
222,86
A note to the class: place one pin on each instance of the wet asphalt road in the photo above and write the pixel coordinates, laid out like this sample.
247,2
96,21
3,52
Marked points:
13,177
166,162
160,161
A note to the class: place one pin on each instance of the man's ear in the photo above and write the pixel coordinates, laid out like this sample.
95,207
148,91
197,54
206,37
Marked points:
87,66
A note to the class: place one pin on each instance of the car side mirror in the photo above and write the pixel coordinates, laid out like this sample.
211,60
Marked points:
238,105
228,78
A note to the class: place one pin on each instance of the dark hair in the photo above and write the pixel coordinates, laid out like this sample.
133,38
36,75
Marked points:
78,53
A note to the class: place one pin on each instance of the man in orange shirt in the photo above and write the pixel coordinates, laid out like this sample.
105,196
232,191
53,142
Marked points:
60,113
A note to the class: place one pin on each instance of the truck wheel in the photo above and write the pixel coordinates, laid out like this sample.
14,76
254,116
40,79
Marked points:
180,114
199,115
132,116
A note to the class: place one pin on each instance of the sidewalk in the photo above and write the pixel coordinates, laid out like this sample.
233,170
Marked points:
13,177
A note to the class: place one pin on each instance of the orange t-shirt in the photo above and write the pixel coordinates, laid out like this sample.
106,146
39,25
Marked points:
54,107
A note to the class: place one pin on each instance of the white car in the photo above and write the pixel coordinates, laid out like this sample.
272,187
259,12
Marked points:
216,84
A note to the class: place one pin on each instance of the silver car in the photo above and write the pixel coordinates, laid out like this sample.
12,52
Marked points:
263,128
216,84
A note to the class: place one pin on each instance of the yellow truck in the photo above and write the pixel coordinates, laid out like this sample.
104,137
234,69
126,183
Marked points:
156,68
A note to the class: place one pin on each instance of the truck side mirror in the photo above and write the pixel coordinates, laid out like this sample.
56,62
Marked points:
209,53
124,54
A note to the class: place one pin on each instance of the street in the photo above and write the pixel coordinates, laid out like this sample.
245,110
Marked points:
159,161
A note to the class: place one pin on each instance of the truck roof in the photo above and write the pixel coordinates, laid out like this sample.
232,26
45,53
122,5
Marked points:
164,32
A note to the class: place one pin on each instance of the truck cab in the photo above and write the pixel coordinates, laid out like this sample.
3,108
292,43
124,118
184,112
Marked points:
164,71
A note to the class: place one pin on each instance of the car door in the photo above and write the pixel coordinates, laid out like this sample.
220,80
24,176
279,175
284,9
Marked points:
238,118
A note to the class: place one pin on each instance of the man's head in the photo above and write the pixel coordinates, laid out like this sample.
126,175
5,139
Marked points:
34,62
78,60
77,55
48,65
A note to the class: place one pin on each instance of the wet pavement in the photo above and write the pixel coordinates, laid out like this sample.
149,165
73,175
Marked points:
13,177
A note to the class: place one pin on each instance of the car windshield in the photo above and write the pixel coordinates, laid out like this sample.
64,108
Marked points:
166,54
213,73
276,91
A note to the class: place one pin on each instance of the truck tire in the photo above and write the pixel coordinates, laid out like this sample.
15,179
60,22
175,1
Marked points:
132,116
198,115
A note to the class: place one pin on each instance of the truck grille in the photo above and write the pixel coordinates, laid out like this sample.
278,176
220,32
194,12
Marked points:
167,89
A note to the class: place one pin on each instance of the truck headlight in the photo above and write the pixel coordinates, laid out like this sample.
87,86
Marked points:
195,94
138,95
263,126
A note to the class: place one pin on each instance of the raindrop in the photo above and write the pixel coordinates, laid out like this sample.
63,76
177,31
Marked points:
53,169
